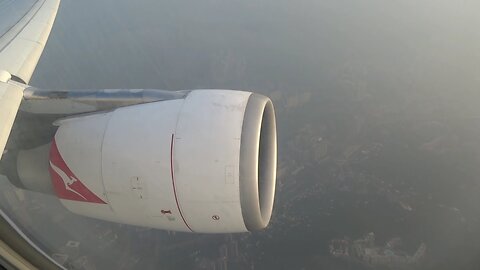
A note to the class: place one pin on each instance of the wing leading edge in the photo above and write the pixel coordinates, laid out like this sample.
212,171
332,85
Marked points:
10,98
26,25
22,45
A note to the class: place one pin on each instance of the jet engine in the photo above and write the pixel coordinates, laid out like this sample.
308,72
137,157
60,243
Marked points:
203,163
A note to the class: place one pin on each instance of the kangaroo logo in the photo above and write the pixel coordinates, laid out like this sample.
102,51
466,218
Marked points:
66,185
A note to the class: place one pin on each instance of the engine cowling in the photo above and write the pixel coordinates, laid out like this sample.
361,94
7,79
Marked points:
203,163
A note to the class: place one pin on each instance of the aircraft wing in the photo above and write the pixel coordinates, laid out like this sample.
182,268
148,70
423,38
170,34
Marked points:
24,29
115,154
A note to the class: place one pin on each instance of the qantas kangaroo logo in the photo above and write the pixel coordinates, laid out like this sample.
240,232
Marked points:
67,180
65,183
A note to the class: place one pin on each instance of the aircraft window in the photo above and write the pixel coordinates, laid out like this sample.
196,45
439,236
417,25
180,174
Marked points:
377,116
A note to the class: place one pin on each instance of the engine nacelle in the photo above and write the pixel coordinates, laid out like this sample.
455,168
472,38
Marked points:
203,163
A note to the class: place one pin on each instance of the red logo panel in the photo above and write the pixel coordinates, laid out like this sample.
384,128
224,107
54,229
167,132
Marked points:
65,183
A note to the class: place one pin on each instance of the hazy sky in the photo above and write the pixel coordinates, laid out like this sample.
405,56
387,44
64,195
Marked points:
184,44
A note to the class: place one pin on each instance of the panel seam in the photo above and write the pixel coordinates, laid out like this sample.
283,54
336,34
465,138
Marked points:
23,26
172,172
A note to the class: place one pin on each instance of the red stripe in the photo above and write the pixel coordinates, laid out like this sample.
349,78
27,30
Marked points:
173,183
65,183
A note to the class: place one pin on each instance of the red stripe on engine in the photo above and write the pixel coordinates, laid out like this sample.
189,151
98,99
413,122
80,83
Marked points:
173,183
65,182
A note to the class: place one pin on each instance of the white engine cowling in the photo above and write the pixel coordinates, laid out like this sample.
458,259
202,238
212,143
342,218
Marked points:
204,163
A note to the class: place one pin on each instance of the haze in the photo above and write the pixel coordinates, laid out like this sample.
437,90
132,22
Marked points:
378,116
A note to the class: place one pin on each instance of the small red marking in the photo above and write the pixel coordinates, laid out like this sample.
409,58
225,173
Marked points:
173,183
65,183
